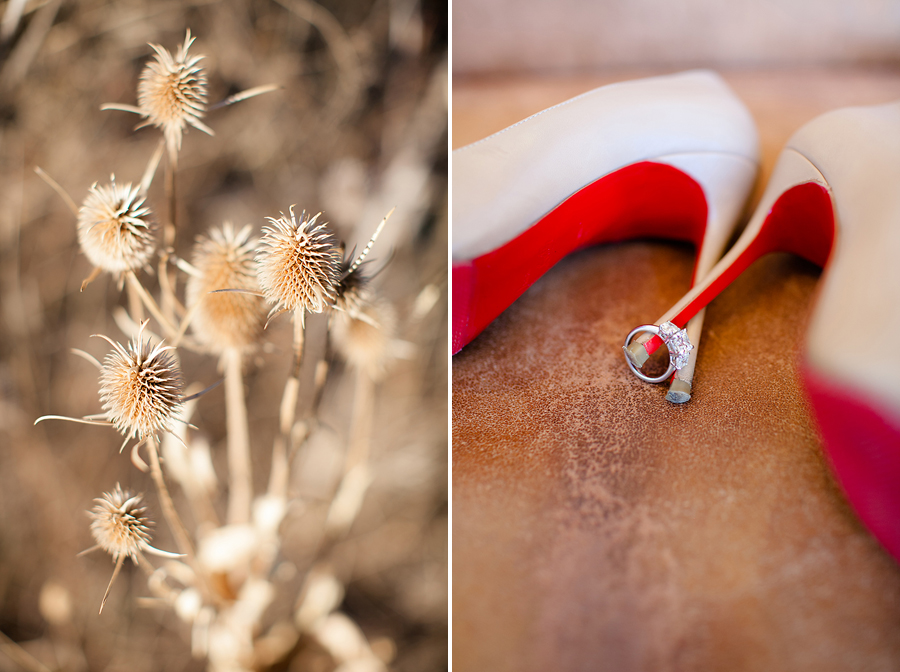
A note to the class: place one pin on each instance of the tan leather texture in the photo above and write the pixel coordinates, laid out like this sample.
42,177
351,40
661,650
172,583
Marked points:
598,527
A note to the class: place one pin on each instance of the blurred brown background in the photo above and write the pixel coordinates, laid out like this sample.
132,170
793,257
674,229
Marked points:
359,127
596,526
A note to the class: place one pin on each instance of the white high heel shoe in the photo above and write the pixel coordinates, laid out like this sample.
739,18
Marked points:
671,157
834,198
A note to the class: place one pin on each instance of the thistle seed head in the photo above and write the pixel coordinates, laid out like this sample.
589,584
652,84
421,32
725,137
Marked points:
298,263
140,387
119,524
172,93
114,230
224,259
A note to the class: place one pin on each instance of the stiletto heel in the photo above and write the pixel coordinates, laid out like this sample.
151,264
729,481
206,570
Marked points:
720,180
833,199
671,157
794,215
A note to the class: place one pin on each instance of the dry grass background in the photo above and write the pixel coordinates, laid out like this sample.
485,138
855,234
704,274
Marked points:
359,127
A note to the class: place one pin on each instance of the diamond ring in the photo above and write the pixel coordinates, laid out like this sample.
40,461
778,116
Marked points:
677,342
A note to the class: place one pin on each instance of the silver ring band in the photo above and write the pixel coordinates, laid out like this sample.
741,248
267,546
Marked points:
650,329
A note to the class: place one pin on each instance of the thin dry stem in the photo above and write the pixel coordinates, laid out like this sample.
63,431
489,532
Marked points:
240,480
170,226
112,580
197,493
86,356
321,375
20,656
95,273
299,340
345,506
182,539
152,165
355,482
245,95
167,288
151,305
135,305
170,304
278,479
186,322
83,421
53,184
121,107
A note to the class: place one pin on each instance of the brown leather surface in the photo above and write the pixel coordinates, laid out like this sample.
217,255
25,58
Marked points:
598,527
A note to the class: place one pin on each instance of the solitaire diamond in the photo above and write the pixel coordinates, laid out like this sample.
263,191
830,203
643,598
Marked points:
677,342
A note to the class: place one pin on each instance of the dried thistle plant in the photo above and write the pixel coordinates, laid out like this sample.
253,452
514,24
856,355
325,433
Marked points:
228,579
224,260
114,229
172,93
120,526
229,323
172,96
298,264
140,387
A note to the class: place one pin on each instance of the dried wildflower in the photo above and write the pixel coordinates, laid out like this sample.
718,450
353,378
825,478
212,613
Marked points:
119,524
298,264
140,387
114,230
224,260
172,93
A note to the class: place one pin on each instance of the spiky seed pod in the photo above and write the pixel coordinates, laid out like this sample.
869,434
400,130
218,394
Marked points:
114,229
224,260
140,387
298,263
172,93
119,524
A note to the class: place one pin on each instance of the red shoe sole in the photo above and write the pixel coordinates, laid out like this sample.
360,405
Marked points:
862,443
643,200
800,221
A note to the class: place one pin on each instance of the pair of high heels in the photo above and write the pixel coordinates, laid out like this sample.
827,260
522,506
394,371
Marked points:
676,157
667,157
